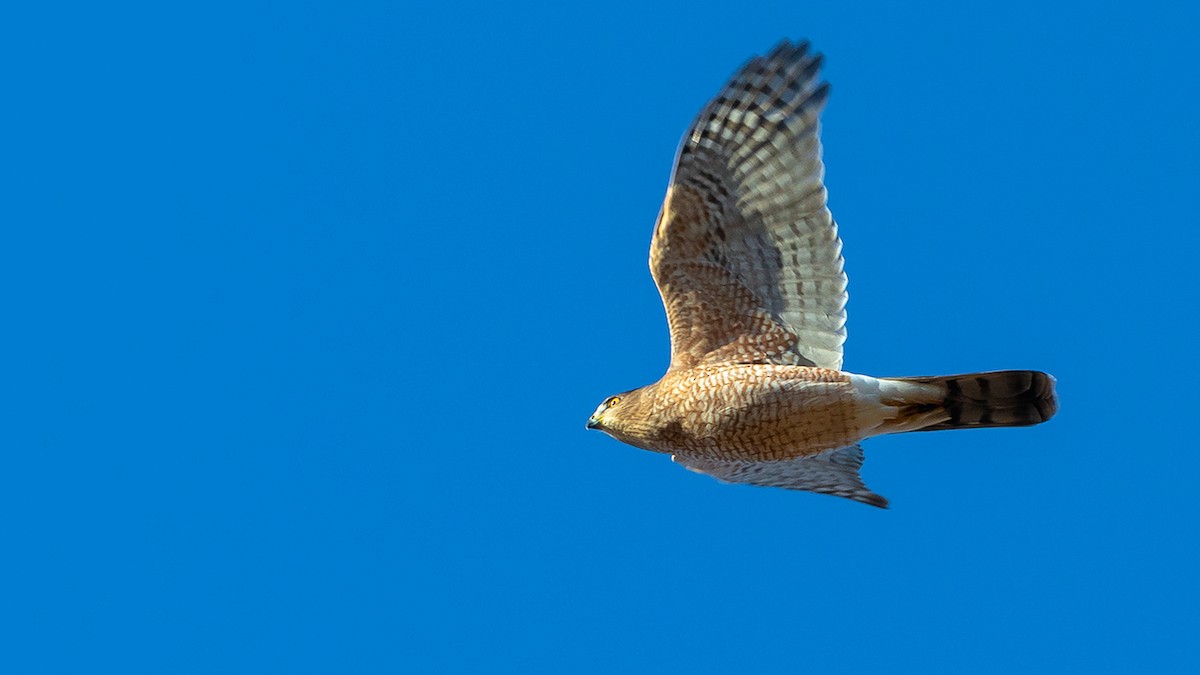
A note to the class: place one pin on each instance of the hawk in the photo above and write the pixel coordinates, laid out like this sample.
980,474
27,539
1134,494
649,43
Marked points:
748,262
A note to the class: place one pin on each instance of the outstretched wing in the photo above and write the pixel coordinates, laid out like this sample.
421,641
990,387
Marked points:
833,472
745,253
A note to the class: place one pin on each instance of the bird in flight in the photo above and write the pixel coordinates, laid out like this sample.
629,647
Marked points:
747,259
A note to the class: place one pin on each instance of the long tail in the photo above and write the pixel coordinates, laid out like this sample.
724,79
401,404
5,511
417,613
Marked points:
1006,398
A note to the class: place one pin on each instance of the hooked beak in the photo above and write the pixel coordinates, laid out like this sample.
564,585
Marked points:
593,423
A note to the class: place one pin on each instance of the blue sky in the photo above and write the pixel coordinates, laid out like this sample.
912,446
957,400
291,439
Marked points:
308,303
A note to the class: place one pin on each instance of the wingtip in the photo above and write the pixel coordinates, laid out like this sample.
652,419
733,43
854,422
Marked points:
821,94
875,500
789,49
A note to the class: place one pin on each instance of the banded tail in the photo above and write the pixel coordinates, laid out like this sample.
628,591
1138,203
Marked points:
1005,398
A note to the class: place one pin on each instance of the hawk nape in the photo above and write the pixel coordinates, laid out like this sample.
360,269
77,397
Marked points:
748,262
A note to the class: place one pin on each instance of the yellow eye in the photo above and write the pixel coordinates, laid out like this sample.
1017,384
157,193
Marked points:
613,401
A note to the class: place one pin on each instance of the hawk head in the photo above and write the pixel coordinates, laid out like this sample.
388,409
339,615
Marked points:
596,421
616,414
630,418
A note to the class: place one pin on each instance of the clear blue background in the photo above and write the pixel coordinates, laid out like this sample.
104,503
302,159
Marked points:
306,306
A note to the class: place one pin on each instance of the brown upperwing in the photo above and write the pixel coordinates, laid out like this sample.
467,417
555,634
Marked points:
745,253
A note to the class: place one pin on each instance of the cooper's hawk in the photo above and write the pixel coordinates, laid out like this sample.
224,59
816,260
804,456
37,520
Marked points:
748,262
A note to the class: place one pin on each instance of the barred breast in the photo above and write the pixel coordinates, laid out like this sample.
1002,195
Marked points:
759,412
